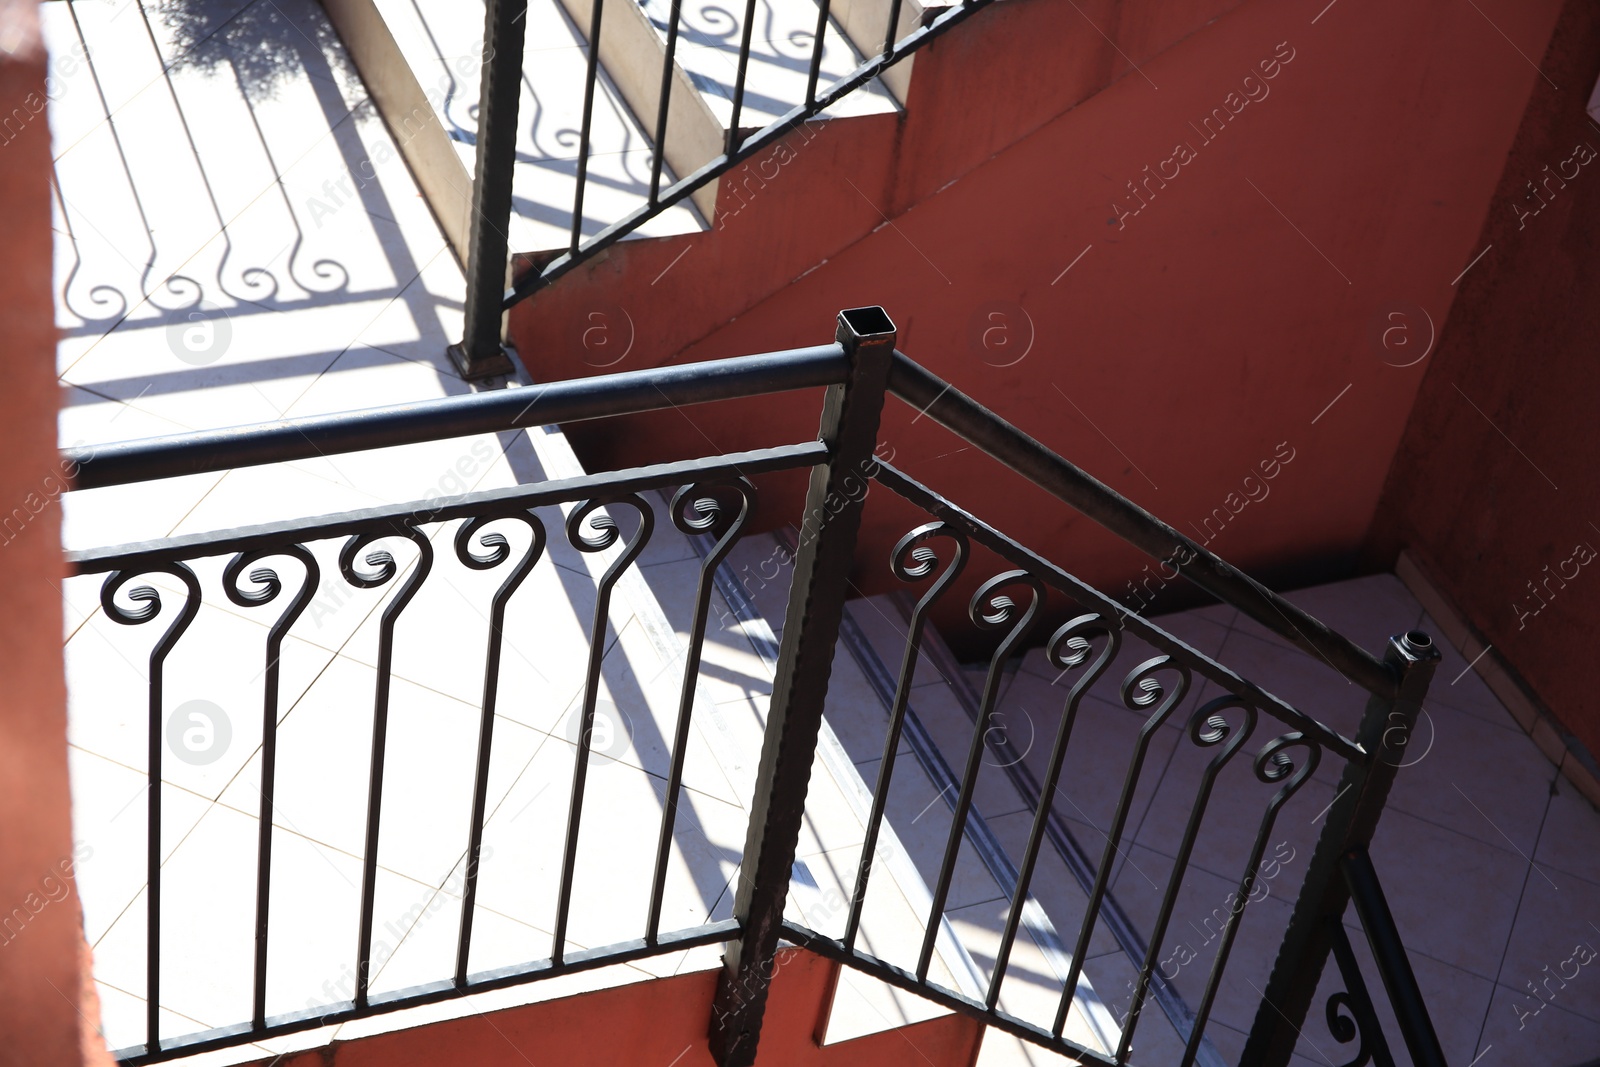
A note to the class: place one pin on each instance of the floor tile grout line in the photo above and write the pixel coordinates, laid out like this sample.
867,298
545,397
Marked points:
275,183
1392,805
129,993
434,891
1516,916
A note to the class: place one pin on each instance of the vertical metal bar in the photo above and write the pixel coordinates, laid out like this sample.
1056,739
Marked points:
892,33
499,550
1393,965
712,516
733,140
816,53
149,608
158,659
380,720
1068,647
591,75
269,774
667,66
606,535
480,353
268,587
1385,729
1133,692
1367,1031
152,950
1000,612
909,560
828,528
1208,727
1272,764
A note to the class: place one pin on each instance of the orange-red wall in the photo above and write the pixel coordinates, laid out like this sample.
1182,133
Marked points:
1497,481
1191,342
659,1022
43,980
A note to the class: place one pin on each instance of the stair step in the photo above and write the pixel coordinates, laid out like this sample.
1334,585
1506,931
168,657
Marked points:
422,60
781,43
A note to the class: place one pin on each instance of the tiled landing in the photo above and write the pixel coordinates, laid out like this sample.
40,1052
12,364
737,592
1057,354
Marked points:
1485,853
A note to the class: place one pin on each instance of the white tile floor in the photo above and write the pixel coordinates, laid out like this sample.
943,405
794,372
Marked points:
274,306
1485,853
240,242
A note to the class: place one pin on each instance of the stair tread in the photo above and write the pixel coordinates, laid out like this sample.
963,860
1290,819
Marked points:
443,46
780,56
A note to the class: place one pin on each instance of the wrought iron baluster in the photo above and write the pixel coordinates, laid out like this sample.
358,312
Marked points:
591,75
715,514
912,559
989,609
1362,1025
667,64
815,67
1272,764
606,533
734,138
893,30
149,606
267,587
384,569
1393,965
1207,727
1140,689
1351,821
497,551
1069,647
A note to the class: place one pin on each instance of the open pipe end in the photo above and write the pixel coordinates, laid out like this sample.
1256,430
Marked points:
865,326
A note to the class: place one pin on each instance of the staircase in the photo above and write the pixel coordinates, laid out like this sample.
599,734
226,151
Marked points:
791,131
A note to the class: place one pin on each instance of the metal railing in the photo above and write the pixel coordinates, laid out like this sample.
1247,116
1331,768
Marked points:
714,496
480,353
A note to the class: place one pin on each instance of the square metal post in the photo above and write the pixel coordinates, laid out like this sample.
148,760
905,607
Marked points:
800,684
480,353
1385,731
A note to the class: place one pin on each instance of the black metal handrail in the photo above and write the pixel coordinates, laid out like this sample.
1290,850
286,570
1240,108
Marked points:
1366,893
631,392
714,497
1023,454
625,392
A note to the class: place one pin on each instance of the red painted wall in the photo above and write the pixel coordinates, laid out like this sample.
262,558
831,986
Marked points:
1175,338
1496,487
792,207
661,1022
46,1000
